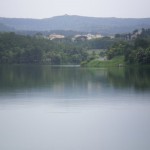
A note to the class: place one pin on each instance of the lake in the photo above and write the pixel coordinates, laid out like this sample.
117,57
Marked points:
72,108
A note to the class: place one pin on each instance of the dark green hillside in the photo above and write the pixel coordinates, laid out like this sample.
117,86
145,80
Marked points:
25,49
136,51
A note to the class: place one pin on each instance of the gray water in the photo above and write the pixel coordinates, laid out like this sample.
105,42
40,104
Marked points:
73,108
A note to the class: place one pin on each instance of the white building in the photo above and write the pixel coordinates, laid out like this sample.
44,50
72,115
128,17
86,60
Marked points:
87,36
55,36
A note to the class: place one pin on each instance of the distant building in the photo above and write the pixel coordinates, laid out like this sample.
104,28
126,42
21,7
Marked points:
91,36
81,38
86,37
55,36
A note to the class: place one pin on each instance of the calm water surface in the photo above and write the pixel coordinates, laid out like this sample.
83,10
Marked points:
73,108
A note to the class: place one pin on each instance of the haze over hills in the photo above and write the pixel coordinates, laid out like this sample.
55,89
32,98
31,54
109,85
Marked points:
5,27
104,26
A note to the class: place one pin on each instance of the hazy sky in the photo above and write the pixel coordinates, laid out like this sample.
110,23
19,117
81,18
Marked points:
96,8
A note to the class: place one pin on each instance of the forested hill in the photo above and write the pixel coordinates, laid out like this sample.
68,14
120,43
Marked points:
78,23
16,49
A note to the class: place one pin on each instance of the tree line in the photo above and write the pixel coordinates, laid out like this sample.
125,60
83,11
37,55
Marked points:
15,48
18,49
135,51
26,49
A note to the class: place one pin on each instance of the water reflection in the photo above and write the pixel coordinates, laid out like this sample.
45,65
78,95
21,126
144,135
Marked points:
136,77
73,83
73,108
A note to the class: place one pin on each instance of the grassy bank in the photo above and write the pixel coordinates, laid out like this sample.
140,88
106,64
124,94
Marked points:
117,61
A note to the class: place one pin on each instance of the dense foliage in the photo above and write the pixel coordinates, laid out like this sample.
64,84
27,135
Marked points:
136,50
134,47
16,48
25,49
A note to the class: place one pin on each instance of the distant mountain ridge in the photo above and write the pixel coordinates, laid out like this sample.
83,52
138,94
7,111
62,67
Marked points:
5,27
78,23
